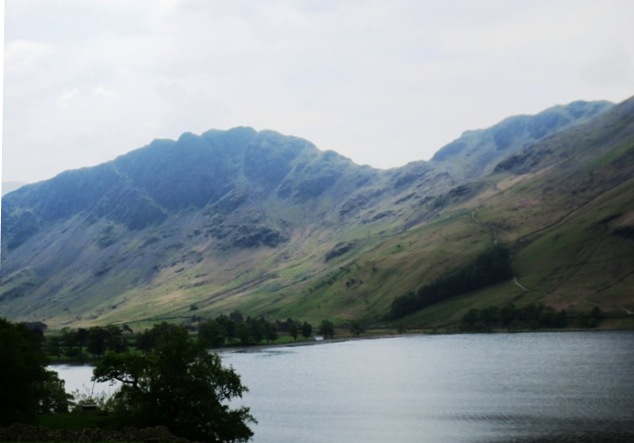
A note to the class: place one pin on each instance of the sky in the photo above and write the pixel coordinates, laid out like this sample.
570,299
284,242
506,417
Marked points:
382,82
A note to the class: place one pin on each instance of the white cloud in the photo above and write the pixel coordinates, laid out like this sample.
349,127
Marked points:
382,82
22,57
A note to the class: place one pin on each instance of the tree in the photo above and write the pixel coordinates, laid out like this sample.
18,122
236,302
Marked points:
293,328
229,326
236,316
591,319
54,398
21,371
327,329
212,333
307,330
356,329
257,329
26,387
100,339
148,340
270,331
179,384
492,266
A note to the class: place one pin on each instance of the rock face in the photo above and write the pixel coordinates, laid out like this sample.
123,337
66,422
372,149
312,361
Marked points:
476,153
224,219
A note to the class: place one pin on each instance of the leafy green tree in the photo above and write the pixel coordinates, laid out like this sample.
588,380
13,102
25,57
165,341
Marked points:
229,326
293,328
270,331
490,267
327,329
115,340
74,341
54,398
101,339
257,329
243,333
591,319
54,345
356,329
212,333
26,387
149,339
236,316
181,385
528,317
96,344
21,372
307,330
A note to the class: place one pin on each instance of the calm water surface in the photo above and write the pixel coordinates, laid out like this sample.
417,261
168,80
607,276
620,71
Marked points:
535,387
459,388
77,380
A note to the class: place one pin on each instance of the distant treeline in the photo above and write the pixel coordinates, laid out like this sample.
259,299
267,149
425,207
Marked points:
490,267
235,329
527,317
83,343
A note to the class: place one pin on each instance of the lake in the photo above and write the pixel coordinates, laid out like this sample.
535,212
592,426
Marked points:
77,380
477,388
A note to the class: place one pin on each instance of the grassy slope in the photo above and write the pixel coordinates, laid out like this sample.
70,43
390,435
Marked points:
559,220
561,224
593,266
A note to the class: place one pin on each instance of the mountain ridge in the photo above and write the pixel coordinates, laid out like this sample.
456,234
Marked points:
485,146
271,225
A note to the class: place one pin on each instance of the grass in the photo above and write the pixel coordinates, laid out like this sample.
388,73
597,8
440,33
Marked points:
551,219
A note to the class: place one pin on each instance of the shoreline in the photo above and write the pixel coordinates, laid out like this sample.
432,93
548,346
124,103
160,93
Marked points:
258,348
369,335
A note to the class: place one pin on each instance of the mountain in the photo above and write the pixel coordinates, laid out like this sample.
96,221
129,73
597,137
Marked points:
10,186
271,225
476,153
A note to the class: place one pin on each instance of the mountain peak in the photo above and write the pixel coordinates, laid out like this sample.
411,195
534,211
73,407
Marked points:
477,152
269,224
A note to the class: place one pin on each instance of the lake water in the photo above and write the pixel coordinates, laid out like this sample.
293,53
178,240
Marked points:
77,380
534,387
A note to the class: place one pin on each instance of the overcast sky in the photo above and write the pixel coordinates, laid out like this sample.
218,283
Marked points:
382,82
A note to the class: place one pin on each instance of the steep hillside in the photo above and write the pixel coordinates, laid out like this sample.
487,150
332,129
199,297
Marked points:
170,224
10,186
476,153
272,226
564,207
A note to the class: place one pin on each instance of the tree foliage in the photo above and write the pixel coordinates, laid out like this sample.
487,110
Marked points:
101,339
76,344
356,329
225,330
488,268
54,399
512,318
26,387
177,383
533,316
307,329
327,329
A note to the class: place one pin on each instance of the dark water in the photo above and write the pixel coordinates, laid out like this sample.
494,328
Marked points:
523,388
542,387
